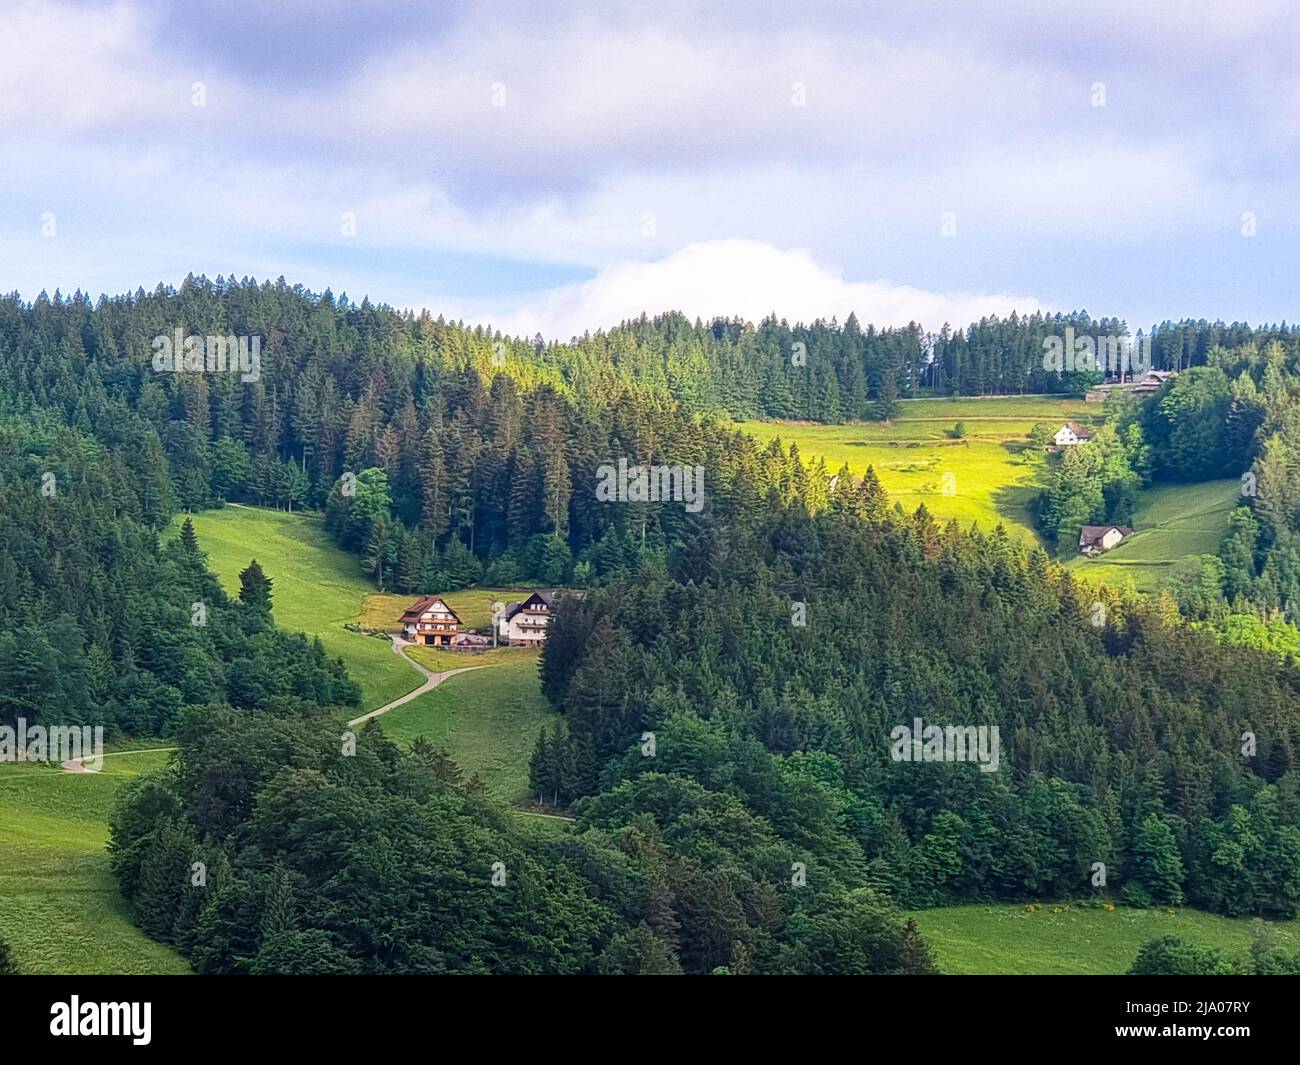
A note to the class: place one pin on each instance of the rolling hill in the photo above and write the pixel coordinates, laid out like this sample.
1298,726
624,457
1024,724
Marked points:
488,720
995,475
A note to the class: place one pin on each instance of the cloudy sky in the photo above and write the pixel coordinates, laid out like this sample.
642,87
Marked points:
557,168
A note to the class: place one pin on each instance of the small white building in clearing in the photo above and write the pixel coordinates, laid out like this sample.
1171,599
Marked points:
524,624
1094,539
1071,434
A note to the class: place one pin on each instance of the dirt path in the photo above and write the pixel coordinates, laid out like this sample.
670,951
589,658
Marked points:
73,765
432,680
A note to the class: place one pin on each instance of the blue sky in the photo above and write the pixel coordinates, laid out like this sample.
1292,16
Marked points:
556,168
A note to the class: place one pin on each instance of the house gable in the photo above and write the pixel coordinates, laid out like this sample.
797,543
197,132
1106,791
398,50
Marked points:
431,607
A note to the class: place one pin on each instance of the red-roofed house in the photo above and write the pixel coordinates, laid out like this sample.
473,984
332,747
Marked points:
430,621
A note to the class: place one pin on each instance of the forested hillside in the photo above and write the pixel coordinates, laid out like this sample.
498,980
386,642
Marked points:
468,446
1234,416
728,697
1135,743
387,862
99,625
1259,564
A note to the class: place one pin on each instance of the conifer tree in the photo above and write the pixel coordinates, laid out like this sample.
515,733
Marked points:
255,588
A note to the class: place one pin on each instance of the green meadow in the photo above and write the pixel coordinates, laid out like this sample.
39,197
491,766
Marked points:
316,588
995,475
1172,524
1006,938
60,910
487,720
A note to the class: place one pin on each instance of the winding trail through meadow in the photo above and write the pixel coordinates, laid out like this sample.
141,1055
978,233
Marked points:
431,681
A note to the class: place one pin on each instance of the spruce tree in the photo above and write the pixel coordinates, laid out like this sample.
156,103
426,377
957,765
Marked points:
1157,864
255,588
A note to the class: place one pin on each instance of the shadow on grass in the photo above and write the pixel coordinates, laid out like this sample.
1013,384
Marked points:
1019,502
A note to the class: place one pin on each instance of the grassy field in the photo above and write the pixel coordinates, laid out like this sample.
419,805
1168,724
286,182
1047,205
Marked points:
1004,939
1172,524
995,475
488,719
1023,408
316,588
439,661
60,911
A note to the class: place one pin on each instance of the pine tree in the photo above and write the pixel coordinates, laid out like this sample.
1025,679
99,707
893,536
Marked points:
379,549
434,514
888,406
1156,862
539,766
914,955
525,499
279,913
557,491
255,588
190,541
872,498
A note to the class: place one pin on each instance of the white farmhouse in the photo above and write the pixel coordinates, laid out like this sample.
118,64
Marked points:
1070,434
524,624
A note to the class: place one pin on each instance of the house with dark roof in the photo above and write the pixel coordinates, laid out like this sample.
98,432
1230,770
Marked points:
1094,539
1146,385
1151,382
430,621
524,624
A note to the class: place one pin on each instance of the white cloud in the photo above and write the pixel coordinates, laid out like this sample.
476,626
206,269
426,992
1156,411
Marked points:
748,279
615,112
74,69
